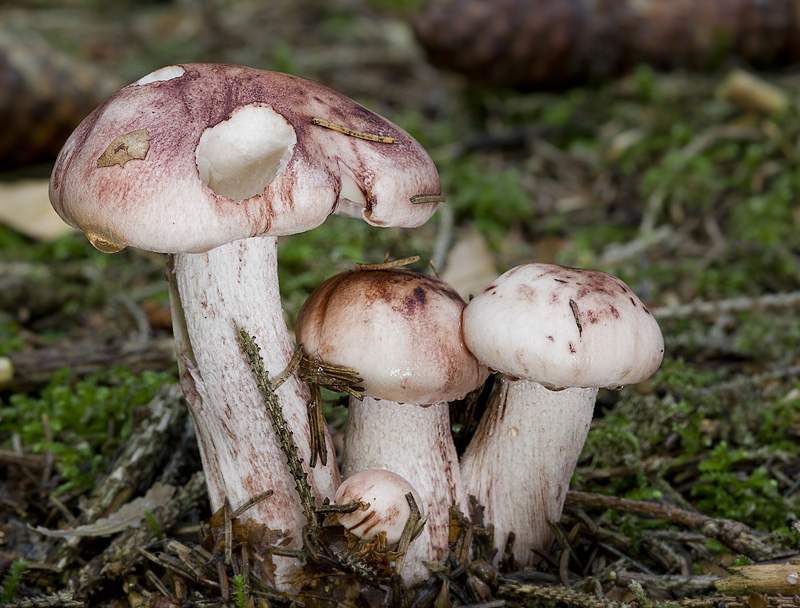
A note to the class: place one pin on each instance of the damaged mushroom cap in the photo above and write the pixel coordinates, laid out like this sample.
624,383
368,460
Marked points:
399,329
564,327
383,493
193,156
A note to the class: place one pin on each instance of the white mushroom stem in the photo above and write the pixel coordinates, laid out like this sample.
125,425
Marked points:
521,458
212,295
416,443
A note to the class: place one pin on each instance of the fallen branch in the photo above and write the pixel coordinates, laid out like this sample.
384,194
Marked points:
669,582
27,370
772,579
702,308
733,534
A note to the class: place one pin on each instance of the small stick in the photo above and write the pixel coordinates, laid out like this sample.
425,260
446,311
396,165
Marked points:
156,582
382,139
253,501
245,568
350,507
59,599
317,428
388,265
559,594
676,582
577,314
49,458
413,528
228,532
333,377
297,357
421,199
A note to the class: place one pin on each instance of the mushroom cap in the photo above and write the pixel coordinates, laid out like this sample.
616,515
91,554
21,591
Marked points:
399,329
194,156
563,327
388,510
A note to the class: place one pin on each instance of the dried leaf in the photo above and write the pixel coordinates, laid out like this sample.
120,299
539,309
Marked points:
470,266
130,146
129,515
25,207
256,534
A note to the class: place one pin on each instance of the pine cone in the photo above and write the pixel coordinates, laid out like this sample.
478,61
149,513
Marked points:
554,43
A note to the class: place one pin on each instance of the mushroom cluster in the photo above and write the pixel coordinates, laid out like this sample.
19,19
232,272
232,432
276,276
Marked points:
402,331
210,163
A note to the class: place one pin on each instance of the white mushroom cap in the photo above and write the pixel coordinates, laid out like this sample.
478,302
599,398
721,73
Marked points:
563,327
388,510
193,156
399,329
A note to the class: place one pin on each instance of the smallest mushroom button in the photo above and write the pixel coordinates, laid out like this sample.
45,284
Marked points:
386,509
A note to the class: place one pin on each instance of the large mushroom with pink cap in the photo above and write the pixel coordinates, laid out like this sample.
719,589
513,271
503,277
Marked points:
210,163
558,335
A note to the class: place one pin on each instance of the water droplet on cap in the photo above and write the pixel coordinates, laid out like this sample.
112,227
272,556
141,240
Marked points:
102,244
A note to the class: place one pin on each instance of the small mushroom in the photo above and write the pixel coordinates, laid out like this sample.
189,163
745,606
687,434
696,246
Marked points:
558,335
210,163
384,505
401,331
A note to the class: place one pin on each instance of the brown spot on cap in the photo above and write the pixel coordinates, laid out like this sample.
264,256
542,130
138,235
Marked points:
400,329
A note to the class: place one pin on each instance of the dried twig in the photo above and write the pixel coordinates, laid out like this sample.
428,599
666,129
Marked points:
31,369
318,373
412,529
334,377
60,599
557,594
387,265
36,462
383,139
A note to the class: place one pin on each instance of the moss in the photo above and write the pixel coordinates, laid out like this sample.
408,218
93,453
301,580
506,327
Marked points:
85,421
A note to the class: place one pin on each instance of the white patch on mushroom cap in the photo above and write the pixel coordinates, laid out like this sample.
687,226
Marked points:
351,198
161,74
239,157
